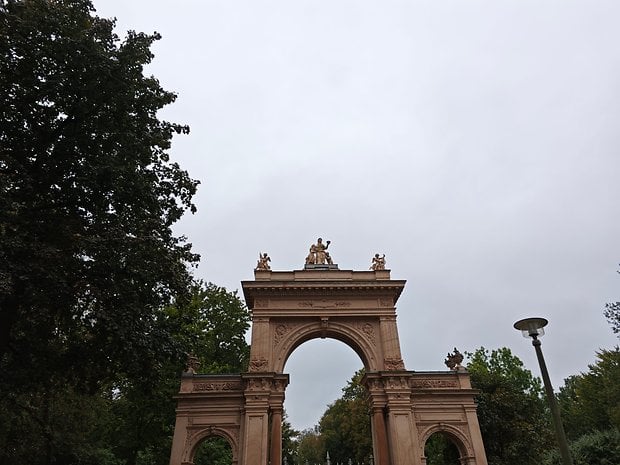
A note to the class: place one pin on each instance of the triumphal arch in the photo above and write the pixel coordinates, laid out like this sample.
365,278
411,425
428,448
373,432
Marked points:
321,301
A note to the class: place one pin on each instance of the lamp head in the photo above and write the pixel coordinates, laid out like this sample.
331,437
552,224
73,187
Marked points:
531,327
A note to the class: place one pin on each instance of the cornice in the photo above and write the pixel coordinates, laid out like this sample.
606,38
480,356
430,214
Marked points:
320,288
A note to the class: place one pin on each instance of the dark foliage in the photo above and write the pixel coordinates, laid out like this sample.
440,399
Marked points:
88,259
512,412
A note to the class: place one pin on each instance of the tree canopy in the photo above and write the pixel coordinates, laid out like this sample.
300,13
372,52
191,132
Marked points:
612,313
591,401
97,302
88,196
511,410
343,430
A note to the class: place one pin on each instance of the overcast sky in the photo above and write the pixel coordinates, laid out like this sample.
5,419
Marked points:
475,143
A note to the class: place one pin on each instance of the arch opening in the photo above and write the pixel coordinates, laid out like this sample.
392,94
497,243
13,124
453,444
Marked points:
441,448
213,450
327,366
339,331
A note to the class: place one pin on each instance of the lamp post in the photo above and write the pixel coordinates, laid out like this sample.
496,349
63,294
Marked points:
533,327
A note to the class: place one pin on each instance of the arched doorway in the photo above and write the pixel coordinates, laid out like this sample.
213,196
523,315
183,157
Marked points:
213,450
441,449
331,409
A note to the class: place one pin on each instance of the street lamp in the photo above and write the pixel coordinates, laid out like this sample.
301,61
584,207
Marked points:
533,327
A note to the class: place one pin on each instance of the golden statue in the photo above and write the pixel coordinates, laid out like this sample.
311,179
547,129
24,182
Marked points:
378,263
263,262
318,253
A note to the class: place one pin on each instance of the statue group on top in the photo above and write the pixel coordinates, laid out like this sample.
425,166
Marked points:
318,253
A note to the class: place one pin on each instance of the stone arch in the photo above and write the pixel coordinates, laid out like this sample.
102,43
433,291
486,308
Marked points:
460,440
358,309
194,440
345,332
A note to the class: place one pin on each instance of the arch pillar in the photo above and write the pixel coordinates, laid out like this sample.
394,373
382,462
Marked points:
264,396
380,443
402,430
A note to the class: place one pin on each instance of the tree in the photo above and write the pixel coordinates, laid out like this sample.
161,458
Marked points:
440,450
310,447
591,401
596,448
213,451
612,313
512,413
211,325
88,197
289,440
345,425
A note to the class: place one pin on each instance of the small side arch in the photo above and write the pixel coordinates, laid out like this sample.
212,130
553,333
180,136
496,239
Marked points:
194,441
460,440
346,333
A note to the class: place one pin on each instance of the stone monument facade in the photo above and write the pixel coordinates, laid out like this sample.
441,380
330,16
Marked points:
321,301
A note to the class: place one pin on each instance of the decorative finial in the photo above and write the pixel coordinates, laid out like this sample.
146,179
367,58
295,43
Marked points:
263,261
192,364
378,263
454,359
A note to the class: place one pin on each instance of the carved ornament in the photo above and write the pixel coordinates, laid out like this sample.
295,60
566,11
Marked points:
222,386
454,360
259,364
368,330
324,303
281,331
396,382
259,384
392,364
434,383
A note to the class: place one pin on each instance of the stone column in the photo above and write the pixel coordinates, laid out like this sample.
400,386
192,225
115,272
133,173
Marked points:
379,436
402,431
380,445
178,440
276,405
480,457
256,418
276,436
